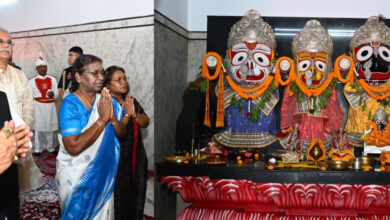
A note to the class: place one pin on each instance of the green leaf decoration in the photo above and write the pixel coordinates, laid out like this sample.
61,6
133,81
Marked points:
294,88
233,101
328,92
360,100
323,102
272,87
369,116
240,105
355,84
203,86
334,82
364,106
300,96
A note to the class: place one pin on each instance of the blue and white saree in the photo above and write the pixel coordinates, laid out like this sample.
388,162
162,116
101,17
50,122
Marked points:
86,181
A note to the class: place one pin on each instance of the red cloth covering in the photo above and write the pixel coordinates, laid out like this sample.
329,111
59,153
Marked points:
43,85
311,126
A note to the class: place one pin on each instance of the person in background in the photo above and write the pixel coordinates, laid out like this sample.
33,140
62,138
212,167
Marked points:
66,76
130,186
44,91
87,161
14,142
14,83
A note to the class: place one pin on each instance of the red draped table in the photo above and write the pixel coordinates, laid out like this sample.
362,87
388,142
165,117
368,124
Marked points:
232,192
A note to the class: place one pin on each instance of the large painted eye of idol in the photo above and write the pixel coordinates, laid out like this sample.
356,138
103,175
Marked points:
251,62
312,68
373,62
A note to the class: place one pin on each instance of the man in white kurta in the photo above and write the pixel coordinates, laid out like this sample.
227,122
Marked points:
44,89
14,83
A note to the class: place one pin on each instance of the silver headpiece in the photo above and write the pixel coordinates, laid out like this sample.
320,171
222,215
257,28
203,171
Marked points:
380,114
373,30
312,37
252,28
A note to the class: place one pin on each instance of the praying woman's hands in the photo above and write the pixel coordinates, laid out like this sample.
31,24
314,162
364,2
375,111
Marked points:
105,107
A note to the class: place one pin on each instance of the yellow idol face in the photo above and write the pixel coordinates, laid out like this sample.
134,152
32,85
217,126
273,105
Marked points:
312,68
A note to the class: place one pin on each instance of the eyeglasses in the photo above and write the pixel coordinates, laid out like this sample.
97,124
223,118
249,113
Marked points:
9,42
120,80
96,74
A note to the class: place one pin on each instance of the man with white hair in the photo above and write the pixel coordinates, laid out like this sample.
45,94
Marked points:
14,83
44,89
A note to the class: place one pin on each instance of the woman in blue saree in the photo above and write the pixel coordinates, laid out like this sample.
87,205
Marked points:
87,162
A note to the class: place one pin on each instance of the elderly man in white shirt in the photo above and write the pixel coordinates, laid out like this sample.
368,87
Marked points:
14,83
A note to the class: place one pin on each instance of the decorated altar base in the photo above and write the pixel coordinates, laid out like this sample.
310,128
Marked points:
243,199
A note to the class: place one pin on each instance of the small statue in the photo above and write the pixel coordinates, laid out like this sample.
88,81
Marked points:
377,134
340,148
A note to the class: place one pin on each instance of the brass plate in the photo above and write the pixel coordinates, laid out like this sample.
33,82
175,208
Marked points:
176,159
215,162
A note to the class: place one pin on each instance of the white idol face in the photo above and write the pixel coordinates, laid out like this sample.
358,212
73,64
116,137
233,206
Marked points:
251,62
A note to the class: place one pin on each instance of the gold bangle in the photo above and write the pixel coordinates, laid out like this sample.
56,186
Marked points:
113,123
126,115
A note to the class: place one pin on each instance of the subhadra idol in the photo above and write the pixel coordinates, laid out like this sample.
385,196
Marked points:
310,112
246,90
368,93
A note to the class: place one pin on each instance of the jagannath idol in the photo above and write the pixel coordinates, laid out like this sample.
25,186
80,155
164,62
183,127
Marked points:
246,90
370,88
310,112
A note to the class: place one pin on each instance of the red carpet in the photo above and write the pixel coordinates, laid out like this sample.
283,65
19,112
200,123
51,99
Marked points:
43,203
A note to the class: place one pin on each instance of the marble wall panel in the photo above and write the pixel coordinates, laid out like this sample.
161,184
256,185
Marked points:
196,52
171,67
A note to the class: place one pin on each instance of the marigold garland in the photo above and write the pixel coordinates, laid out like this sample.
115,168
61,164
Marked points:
278,76
315,92
313,142
293,78
371,91
376,137
218,73
205,69
259,90
350,73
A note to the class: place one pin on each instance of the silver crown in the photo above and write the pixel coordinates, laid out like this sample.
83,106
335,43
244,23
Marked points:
373,30
380,115
312,37
252,28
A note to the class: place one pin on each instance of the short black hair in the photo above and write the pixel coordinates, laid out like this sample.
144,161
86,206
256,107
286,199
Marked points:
76,49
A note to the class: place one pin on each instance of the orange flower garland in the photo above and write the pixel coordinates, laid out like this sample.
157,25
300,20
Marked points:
243,92
278,76
350,71
313,142
206,74
205,69
292,78
371,91
317,91
379,139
